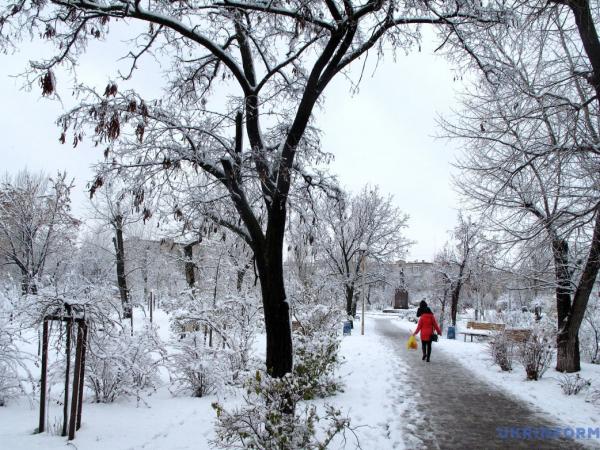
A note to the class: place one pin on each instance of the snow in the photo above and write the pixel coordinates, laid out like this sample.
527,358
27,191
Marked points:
375,398
546,394
374,390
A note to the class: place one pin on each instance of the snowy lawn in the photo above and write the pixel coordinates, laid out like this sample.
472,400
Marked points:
158,421
372,377
373,396
546,394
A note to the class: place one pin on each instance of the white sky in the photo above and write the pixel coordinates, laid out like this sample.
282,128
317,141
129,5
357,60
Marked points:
382,135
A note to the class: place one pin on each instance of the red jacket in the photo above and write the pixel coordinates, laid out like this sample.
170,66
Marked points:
426,325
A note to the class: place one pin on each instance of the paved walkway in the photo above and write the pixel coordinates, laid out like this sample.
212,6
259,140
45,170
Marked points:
454,409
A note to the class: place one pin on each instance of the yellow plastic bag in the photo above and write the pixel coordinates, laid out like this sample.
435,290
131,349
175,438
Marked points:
412,343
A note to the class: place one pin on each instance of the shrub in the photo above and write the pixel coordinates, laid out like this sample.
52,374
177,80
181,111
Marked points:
316,359
196,369
270,418
536,353
573,384
121,365
501,349
14,373
593,396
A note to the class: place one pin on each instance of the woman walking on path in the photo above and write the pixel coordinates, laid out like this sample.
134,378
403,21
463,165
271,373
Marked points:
426,325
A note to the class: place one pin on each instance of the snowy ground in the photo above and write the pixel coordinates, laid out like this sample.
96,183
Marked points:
373,382
570,411
377,398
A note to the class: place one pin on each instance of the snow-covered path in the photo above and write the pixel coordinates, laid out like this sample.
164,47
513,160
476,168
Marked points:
456,410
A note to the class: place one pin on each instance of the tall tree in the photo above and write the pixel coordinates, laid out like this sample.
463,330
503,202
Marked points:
276,58
111,209
35,221
531,160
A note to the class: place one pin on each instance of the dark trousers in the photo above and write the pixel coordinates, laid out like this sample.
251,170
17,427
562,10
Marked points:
426,346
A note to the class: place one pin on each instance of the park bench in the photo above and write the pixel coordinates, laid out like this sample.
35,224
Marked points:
518,335
482,329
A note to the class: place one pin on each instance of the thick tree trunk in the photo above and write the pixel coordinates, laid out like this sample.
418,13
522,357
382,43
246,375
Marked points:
568,358
567,355
121,278
276,308
277,323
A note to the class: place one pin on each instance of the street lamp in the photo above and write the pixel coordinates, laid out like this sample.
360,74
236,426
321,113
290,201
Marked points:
363,253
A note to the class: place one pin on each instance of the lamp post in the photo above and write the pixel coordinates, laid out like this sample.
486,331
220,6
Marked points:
363,253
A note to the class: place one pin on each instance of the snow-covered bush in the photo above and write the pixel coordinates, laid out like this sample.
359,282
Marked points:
121,365
593,395
14,374
501,349
316,349
213,341
317,318
316,359
573,384
196,369
271,418
536,353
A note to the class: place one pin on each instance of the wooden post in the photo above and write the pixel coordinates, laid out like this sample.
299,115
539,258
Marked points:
82,374
68,369
44,375
151,306
76,375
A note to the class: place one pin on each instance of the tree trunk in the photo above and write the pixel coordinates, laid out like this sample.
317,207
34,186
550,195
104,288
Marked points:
562,273
454,300
28,285
277,323
568,358
350,299
121,278
241,273
567,355
456,292
443,315
190,275
269,263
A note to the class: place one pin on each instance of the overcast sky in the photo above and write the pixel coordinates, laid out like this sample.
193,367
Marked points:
382,135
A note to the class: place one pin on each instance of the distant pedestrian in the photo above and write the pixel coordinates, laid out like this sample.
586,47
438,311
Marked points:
427,324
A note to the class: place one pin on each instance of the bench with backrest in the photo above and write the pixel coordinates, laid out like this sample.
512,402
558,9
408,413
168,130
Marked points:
518,335
484,329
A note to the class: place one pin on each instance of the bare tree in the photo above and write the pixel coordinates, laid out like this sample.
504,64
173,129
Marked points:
111,208
277,58
531,163
345,223
35,221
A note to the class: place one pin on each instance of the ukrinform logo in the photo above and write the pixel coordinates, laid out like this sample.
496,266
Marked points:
538,433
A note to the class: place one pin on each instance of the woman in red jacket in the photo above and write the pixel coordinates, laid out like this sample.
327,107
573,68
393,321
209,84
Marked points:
426,325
